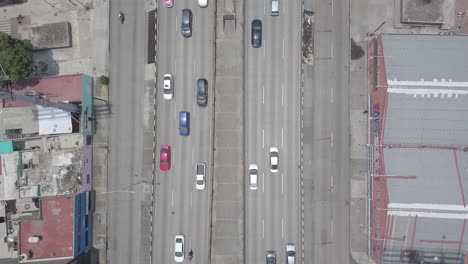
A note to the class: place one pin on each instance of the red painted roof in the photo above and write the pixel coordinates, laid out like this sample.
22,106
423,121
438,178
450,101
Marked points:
55,88
55,228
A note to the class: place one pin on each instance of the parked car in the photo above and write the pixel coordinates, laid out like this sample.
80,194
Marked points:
290,253
202,92
168,87
271,257
186,26
253,176
184,123
274,159
168,3
256,33
179,253
165,158
200,176
203,3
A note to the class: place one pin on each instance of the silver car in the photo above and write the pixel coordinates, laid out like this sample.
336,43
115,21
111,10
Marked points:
253,176
290,253
179,254
168,87
274,159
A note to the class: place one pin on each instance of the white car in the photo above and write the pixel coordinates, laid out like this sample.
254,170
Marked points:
168,89
203,3
179,248
274,159
200,176
290,253
253,176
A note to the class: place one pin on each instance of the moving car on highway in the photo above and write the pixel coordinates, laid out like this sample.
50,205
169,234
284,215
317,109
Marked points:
271,257
200,176
179,248
186,26
253,176
168,87
202,92
165,158
168,3
184,123
274,159
290,253
256,33
203,3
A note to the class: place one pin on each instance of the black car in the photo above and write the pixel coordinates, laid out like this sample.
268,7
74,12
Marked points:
202,92
186,23
256,33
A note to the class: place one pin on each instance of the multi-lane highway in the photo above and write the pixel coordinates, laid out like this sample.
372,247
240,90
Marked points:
272,119
125,132
330,132
179,207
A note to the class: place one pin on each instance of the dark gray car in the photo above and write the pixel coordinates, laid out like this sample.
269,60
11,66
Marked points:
256,33
186,25
202,92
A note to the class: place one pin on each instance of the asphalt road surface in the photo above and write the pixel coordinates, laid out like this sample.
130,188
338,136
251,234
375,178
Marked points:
179,207
331,133
125,132
273,100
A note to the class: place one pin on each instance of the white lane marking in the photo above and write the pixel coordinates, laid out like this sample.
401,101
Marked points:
282,229
193,153
264,7
191,200
282,93
263,228
331,56
190,241
331,94
194,67
283,48
172,199
263,138
332,6
263,182
170,243
264,48
282,137
331,184
331,227
331,139
173,156
282,183
176,24
175,67
263,94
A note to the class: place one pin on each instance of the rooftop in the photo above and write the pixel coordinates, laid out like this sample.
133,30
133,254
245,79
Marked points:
56,88
54,230
419,128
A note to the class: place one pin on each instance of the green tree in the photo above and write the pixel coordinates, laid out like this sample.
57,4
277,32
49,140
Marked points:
15,57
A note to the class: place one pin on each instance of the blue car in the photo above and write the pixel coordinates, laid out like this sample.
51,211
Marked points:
184,123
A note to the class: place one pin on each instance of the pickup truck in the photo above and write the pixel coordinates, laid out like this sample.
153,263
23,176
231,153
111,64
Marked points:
200,177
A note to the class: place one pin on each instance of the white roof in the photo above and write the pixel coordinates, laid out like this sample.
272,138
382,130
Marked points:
53,121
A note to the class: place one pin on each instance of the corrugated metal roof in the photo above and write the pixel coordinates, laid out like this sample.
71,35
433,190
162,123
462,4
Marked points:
436,174
428,57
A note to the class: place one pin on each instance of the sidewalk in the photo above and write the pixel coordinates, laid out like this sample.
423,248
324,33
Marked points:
100,33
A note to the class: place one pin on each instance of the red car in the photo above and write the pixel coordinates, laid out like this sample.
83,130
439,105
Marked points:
168,3
165,158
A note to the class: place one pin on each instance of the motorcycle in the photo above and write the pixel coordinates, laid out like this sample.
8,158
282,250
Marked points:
121,17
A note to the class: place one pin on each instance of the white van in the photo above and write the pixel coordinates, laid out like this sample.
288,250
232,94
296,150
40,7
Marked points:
275,7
